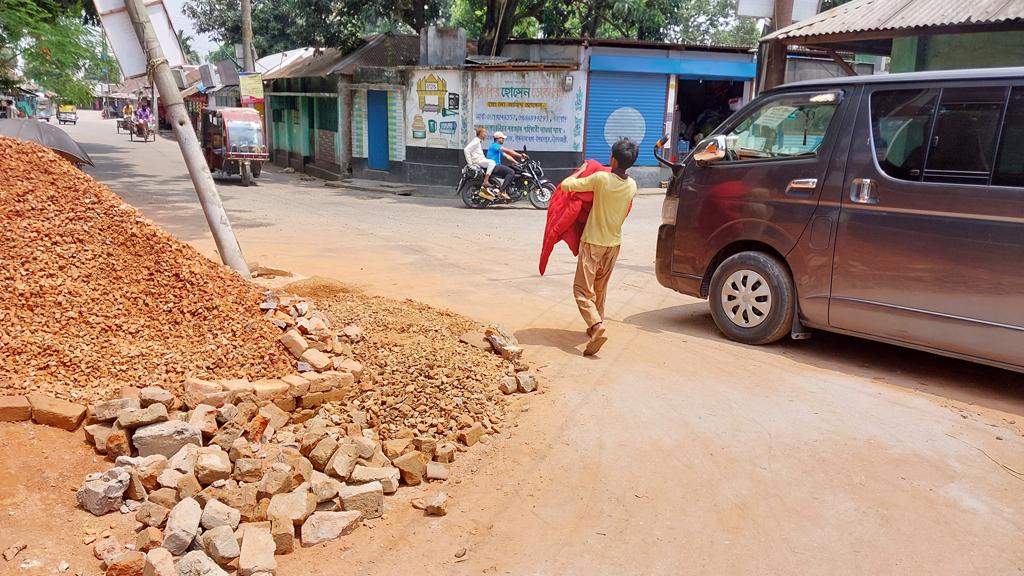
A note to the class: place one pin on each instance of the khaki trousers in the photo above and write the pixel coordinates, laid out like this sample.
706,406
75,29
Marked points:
593,270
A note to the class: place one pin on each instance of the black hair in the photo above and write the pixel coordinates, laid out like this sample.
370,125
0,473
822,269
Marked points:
625,152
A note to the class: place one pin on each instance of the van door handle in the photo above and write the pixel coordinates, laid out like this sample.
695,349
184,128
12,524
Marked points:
863,191
802,187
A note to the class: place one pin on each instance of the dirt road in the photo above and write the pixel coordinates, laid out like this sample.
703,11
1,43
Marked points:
676,451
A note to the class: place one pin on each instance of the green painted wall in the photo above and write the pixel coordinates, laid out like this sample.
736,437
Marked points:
953,51
904,55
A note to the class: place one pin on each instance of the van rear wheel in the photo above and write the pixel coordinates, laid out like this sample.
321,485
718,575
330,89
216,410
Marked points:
752,298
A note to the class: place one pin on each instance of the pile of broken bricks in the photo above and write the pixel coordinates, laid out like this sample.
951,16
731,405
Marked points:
226,481
234,472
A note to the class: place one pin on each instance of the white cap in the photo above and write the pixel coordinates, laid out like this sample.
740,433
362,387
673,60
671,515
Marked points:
499,135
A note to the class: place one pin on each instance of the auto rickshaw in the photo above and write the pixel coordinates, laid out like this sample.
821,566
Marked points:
233,141
67,114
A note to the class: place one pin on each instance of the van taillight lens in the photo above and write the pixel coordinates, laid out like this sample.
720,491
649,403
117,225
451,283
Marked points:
668,210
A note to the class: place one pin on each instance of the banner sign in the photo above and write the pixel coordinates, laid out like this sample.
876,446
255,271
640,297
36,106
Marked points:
250,85
541,110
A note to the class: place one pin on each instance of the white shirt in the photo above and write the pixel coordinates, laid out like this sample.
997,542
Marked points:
474,152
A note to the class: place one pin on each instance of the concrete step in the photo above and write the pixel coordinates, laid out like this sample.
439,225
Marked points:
361,185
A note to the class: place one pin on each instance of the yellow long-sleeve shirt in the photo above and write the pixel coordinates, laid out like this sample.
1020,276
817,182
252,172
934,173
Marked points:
612,196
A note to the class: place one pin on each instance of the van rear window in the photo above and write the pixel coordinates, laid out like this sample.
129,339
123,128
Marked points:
934,135
1010,162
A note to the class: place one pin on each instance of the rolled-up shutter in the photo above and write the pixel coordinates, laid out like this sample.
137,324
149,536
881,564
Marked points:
623,104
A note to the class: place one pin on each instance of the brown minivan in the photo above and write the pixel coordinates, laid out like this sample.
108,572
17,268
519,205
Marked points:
889,207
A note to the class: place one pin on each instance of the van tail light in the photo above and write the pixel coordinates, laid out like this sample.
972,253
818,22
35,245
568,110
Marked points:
669,208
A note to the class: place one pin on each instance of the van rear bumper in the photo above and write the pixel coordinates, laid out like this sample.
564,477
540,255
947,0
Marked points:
688,285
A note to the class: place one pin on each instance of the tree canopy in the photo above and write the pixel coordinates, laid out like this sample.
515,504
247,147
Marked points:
280,25
50,43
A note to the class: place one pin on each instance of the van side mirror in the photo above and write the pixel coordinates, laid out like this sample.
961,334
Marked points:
658,147
710,150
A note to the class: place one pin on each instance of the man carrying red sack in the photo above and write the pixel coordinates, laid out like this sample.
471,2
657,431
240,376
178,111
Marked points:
602,236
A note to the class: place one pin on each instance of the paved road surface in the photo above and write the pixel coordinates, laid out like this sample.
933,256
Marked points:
676,451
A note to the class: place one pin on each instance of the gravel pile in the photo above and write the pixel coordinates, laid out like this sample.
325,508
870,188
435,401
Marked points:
93,296
423,377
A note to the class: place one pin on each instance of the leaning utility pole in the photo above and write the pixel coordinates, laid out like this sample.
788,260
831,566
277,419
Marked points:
247,52
775,70
216,217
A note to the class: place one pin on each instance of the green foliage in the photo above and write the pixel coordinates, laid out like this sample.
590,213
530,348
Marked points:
687,21
224,52
50,44
712,22
185,41
280,25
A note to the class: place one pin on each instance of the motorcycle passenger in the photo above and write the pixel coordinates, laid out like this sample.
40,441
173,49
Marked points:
143,116
474,152
495,152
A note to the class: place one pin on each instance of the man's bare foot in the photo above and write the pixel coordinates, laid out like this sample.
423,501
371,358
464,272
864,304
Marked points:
597,339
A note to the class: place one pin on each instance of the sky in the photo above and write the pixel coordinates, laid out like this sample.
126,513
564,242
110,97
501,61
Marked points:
201,43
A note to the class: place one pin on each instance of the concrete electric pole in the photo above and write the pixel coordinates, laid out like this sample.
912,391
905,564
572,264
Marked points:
248,65
202,179
775,71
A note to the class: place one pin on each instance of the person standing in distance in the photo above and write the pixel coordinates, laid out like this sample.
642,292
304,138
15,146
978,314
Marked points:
602,236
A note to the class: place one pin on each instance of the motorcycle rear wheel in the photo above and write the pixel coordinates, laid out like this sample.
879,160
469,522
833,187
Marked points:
470,196
540,196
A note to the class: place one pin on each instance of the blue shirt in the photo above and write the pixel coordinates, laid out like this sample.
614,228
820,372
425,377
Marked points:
494,153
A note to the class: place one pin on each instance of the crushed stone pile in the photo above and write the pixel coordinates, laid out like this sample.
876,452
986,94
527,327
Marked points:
93,296
424,379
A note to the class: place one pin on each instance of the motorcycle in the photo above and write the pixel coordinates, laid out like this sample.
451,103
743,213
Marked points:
527,182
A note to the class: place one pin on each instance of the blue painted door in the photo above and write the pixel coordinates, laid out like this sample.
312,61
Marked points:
622,104
377,129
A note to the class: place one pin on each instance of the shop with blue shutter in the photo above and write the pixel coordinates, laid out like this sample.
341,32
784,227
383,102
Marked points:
643,92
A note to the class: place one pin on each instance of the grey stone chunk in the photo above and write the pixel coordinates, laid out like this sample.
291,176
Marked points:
109,410
366,498
196,563
257,552
182,526
221,545
104,493
326,526
217,514
165,438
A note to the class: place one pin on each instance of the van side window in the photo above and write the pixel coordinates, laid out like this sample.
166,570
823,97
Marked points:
1010,162
964,138
786,127
900,121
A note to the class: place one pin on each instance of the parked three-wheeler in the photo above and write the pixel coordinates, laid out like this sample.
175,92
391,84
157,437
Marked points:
233,141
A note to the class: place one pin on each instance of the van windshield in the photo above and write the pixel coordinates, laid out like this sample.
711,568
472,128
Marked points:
794,125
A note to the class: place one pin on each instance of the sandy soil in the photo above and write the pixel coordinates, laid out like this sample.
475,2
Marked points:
675,452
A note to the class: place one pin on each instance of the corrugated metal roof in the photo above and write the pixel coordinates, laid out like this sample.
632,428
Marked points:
379,50
383,50
880,15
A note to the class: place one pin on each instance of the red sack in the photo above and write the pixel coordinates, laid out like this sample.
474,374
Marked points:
567,215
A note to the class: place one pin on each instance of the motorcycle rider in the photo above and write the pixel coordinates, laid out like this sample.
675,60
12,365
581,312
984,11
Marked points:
495,152
474,152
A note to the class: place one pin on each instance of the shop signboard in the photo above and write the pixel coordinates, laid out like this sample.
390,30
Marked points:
540,110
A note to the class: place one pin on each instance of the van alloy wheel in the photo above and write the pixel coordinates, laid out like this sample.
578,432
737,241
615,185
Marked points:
746,298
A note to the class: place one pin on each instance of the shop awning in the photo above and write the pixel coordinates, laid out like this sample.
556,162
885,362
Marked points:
689,67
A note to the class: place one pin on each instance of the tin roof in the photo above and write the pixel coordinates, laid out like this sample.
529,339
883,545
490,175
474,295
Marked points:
379,50
862,17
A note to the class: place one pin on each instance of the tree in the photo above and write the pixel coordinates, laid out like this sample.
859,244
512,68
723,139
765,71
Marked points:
48,43
185,41
694,21
281,25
